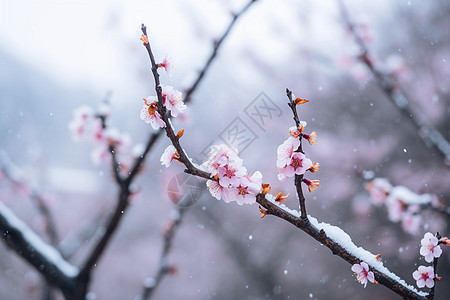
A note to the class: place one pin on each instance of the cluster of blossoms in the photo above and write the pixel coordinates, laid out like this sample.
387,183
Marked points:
290,161
90,126
230,182
172,100
363,274
401,203
430,249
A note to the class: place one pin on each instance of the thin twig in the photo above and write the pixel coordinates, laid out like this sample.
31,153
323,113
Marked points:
429,134
216,47
164,268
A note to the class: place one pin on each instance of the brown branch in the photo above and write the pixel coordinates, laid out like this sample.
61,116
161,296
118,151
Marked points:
45,258
216,45
392,282
428,134
164,268
298,178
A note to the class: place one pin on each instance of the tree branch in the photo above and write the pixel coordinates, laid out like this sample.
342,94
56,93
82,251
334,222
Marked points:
429,134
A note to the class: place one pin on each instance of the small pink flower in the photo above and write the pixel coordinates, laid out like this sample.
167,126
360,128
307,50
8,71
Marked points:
218,191
297,165
311,138
286,150
149,114
430,248
378,189
167,64
424,276
173,100
219,156
248,188
169,155
82,116
230,175
396,208
411,222
363,273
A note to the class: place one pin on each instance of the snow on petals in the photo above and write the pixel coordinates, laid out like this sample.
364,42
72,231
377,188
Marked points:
430,248
169,155
286,150
149,114
424,276
363,273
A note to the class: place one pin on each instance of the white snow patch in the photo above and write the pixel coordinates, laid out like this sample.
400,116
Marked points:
343,239
36,242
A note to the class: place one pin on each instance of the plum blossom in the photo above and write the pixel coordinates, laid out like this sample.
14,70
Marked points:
378,189
286,150
231,174
170,153
411,222
363,273
248,188
297,165
311,138
219,156
149,114
173,100
167,64
230,181
81,124
290,162
424,276
430,248
218,191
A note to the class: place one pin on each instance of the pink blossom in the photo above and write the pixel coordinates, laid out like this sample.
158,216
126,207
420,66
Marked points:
169,155
297,165
411,222
395,207
363,273
379,188
219,156
167,64
286,150
424,276
81,118
149,114
217,191
430,248
173,100
247,189
230,175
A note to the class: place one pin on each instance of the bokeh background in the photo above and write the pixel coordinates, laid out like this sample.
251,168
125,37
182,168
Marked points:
58,55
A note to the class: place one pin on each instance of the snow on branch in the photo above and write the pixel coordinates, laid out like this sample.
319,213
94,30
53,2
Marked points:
227,179
46,259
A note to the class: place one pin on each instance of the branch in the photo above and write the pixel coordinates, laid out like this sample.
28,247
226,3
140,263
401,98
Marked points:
47,261
217,45
429,134
164,268
14,175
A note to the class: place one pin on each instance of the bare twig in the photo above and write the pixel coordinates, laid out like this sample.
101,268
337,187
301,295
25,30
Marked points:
429,134
217,45
164,268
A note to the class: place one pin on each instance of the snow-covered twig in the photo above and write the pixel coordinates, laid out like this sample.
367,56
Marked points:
333,237
45,258
429,134
14,175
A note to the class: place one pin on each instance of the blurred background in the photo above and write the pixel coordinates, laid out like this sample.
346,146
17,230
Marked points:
56,56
